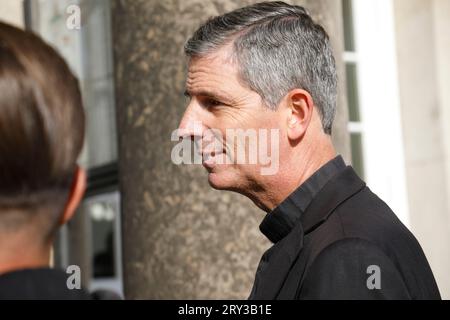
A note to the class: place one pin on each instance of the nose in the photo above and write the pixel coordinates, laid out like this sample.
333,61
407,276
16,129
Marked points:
191,125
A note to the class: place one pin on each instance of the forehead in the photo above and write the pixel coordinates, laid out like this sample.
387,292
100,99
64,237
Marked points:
216,71
219,59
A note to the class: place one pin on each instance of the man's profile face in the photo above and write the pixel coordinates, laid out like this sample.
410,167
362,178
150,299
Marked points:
219,103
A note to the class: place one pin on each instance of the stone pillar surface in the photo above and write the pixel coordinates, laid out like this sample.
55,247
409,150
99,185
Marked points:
181,239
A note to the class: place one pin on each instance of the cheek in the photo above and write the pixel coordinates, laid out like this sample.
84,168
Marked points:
264,130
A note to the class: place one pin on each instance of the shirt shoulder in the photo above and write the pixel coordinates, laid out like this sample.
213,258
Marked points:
365,229
353,268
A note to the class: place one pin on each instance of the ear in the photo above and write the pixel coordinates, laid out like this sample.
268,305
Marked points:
75,195
299,113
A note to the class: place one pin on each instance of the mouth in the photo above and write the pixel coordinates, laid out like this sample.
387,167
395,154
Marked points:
209,159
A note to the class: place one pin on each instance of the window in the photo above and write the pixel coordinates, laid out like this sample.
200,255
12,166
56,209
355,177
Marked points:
89,54
103,214
373,100
355,126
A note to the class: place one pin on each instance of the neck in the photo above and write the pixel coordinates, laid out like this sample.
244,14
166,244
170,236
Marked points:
18,252
294,171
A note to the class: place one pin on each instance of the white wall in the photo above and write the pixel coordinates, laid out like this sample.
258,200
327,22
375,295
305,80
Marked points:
402,52
12,12
422,32
442,55
380,103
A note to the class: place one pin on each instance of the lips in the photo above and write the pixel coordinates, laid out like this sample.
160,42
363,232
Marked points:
209,159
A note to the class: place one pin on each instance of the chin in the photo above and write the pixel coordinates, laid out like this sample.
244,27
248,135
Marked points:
217,182
223,181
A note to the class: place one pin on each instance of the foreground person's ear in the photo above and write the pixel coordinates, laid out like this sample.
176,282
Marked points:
76,193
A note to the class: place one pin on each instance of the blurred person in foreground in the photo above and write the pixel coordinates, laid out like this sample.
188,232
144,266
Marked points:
269,66
41,135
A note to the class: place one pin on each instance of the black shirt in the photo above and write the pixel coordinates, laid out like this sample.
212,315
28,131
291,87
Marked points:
38,284
328,237
46,284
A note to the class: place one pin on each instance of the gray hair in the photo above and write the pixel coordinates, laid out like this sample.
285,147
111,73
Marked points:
278,48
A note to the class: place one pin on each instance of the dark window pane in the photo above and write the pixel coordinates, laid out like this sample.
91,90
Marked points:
103,215
357,153
352,92
349,38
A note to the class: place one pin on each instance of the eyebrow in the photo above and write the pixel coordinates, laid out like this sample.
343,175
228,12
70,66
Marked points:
209,94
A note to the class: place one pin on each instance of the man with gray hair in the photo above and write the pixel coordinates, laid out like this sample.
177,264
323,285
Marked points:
269,67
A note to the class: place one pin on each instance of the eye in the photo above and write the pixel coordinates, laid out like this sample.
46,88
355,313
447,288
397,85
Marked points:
187,97
211,103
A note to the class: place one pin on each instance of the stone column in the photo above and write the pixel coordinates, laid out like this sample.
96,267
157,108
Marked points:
181,239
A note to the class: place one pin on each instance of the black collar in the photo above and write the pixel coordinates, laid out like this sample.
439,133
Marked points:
279,223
